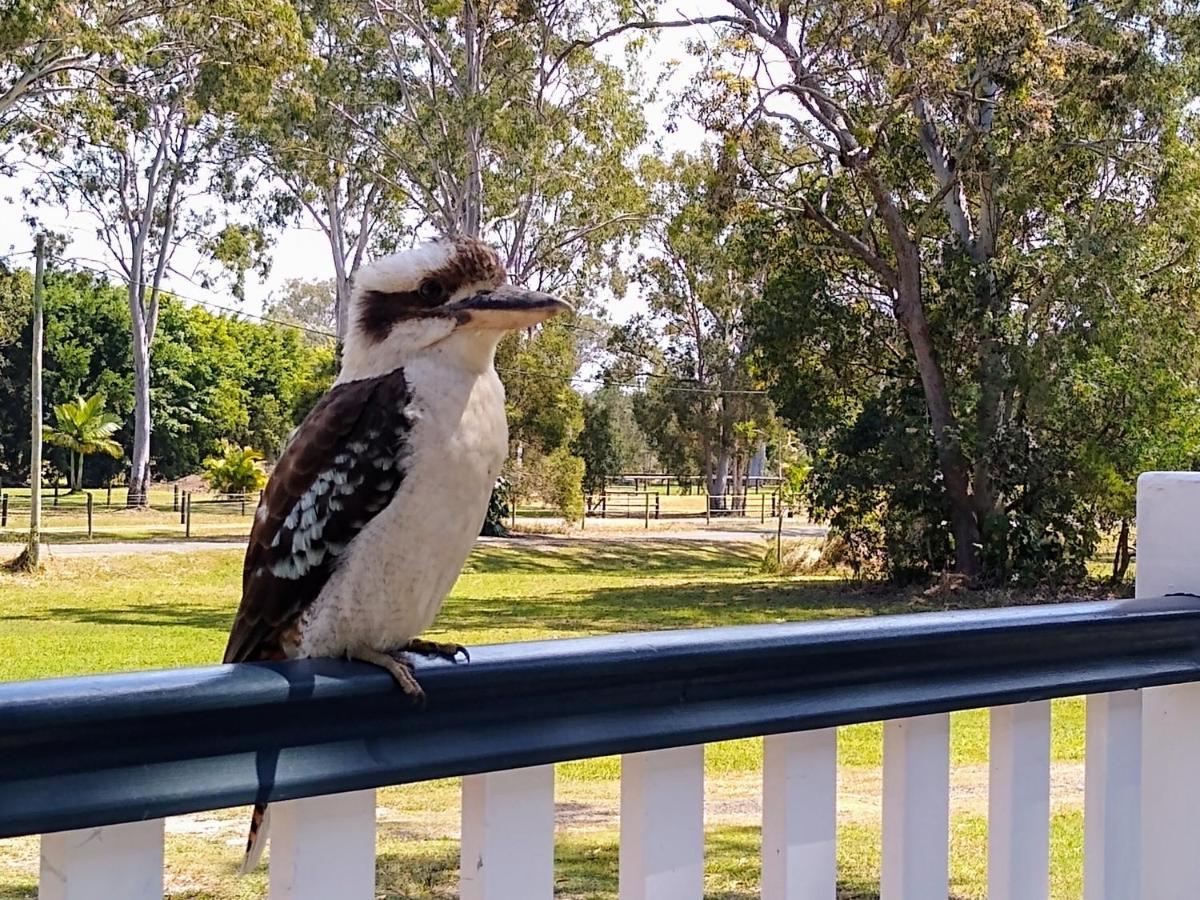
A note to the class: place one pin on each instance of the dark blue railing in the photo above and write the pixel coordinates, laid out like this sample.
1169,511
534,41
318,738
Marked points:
81,752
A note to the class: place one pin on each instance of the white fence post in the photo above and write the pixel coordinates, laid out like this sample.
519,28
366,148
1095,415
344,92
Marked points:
323,847
1112,797
507,848
662,825
799,829
123,861
1019,802
1168,562
916,808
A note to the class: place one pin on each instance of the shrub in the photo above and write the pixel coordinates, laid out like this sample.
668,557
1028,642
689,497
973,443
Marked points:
238,470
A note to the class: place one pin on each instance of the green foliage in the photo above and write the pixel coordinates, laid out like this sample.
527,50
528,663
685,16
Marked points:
698,409
980,286
215,378
499,506
544,410
83,427
556,479
238,470
309,305
598,445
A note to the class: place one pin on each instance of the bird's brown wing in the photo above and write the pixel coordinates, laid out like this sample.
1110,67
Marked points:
340,470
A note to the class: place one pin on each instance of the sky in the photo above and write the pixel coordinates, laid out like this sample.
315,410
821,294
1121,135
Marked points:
300,250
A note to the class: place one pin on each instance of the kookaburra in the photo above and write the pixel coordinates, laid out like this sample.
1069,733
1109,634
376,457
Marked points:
375,503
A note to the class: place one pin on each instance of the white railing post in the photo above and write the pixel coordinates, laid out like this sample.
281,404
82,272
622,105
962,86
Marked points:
507,848
1112,797
916,808
1168,562
1019,802
323,847
799,829
662,825
123,861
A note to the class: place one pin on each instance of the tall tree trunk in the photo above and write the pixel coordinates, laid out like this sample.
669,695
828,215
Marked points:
341,302
720,475
758,463
991,378
911,313
473,190
139,468
739,500
1122,555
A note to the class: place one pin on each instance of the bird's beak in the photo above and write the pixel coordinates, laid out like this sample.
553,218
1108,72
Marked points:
507,308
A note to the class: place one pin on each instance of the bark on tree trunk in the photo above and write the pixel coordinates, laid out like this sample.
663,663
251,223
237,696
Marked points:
473,196
739,501
720,475
139,468
341,308
910,311
1122,555
991,392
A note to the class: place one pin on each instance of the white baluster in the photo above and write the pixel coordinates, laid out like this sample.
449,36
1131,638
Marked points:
323,847
916,808
1019,802
507,850
1168,562
799,836
662,825
123,861
1112,797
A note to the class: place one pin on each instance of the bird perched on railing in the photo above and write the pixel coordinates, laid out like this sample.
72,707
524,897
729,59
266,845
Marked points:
375,503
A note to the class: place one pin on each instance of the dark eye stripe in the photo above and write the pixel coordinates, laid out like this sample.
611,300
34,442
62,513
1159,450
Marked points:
473,262
380,310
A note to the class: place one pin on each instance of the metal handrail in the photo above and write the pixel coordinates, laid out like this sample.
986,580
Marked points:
83,752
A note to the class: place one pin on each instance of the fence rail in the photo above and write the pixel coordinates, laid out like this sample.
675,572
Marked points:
654,505
92,508
164,743
95,763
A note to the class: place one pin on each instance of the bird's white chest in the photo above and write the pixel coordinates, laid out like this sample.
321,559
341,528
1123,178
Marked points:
394,576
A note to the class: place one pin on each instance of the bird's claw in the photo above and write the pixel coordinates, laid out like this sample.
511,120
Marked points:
399,668
446,651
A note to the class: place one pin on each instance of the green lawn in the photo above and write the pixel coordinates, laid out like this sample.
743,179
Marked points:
134,612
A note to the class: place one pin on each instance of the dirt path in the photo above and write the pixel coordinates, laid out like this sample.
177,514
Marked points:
731,799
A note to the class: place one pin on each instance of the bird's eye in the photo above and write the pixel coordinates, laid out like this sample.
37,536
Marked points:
432,291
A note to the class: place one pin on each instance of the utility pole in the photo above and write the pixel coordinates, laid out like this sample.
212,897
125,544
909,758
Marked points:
35,454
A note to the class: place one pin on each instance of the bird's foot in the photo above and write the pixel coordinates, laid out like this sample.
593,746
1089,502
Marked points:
447,651
401,669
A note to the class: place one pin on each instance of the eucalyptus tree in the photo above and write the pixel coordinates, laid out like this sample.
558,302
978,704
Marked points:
136,165
501,133
50,49
303,157
698,281
979,161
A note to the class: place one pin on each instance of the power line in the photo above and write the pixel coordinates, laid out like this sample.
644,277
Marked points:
77,262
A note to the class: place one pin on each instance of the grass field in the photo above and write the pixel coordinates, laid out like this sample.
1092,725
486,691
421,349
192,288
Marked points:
130,612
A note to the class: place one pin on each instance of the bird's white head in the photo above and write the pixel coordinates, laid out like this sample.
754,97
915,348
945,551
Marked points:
448,295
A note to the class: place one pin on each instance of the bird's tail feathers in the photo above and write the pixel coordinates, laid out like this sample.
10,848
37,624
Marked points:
260,823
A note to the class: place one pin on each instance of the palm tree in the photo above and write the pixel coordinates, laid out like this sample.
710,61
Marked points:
83,427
